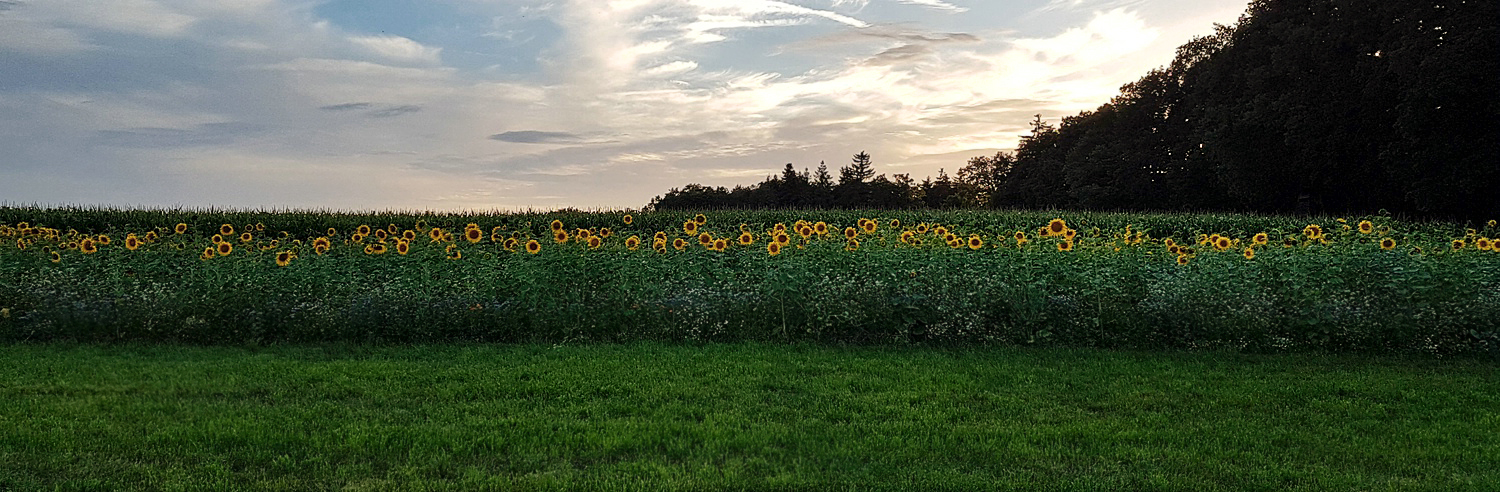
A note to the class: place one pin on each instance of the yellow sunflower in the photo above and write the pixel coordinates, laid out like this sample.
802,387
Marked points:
975,242
181,228
1387,243
1313,231
595,242
746,238
628,219
132,243
773,247
87,246
1365,227
533,247
224,249
557,225
850,232
1056,227
895,223
284,258
690,227
559,236
821,228
605,233
700,219
659,236
632,242
226,230
1223,243
805,231
922,228
1182,259
57,257
436,234
679,244
870,226
705,239
150,237
245,237
1249,253
1458,244
1065,246
851,245
721,244
940,231
333,232
783,238
906,236
362,230
1260,238
403,247
473,235
510,244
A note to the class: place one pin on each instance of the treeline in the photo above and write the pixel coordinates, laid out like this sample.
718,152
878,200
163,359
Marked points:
1312,106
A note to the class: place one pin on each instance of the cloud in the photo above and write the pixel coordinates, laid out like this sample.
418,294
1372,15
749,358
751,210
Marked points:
210,134
395,111
397,48
346,106
541,137
936,4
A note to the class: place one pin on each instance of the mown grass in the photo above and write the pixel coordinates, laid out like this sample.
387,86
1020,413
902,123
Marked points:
738,416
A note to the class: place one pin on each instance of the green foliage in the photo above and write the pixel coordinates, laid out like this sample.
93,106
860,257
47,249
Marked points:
1119,287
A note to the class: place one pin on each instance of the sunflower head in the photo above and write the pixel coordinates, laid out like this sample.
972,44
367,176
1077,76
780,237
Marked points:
510,244
906,236
700,219
88,246
632,242
533,247
659,236
208,252
746,238
850,232
224,249
821,228
57,257
895,223
705,239
473,235
605,233
1223,243
284,258
1249,253
245,237
1261,238
181,228
1313,231
805,231
690,227
403,247
557,225
1069,234
1482,243
455,255
380,234
226,230
436,234
851,245
1458,244
975,242
1365,227
1182,259
774,248
922,228
628,219
595,242
1387,243
320,248
1056,226
940,231
1065,246
783,238
869,226
721,244
679,244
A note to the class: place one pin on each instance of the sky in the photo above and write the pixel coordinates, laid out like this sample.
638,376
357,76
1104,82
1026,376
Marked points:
536,104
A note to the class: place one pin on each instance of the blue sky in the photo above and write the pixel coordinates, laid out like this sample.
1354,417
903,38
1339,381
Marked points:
469,104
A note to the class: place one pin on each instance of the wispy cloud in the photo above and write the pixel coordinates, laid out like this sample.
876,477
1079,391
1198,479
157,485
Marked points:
541,137
397,48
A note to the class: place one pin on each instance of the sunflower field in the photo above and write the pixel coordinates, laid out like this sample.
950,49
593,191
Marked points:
1188,281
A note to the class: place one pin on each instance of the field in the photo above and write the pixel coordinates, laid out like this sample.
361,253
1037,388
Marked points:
741,416
1189,281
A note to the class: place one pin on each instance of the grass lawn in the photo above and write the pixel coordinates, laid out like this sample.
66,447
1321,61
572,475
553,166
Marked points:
740,416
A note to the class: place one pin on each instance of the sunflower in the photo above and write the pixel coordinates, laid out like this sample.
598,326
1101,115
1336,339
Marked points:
940,231
20,244
746,238
821,228
595,242
57,257
705,239
87,246
721,244
284,258
1056,226
435,234
1249,253
559,236
473,235
582,233
679,244
870,226
950,237
605,233
850,232
906,236
1365,227
557,225
1223,243
1069,234
1387,243
510,244
357,238
226,230
132,243
744,227
320,248
954,243
245,237
1065,246
1260,238
783,238
322,241
181,228
225,249
1458,244
455,255
150,237
628,219
496,236
1289,242
773,247
1174,249
1313,231
369,249
922,228
533,247
103,240
380,234
690,227
895,223
1020,236
805,231
975,242
632,242
851,245
779,227
1482,243
700,219
1182,259
208,252
659,236
403,247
